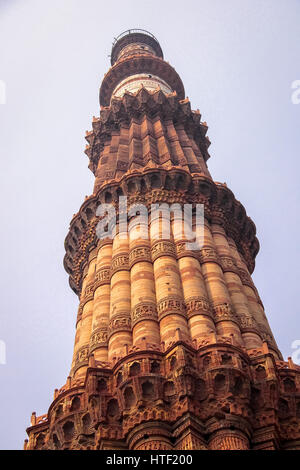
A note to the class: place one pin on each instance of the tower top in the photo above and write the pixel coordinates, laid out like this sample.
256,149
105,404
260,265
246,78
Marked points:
137,60
135,40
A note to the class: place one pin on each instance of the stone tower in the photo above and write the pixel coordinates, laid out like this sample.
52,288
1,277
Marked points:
173,349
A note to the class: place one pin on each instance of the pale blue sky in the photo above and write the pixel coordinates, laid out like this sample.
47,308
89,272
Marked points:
237,60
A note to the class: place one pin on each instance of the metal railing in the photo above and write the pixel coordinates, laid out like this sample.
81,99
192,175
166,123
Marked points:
132,31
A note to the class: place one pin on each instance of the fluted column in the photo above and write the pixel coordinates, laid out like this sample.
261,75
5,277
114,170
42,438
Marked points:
82,339
152,435
99,340
186,144
144,319
234,285
120,336
198,308
254,301
226,439
224,315
169,294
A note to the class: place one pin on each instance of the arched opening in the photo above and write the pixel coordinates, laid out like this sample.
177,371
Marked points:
298,410
113,408
173,362
155,367
119,378
108,197
226,359
89,213
155,181
40,441
283,408
56,442
75,404
143,186
119,192
129,397
237,388
101,386
59,412
86,422
180,183
206,361
289,385
134,369
169,391
131,187
77,231
200,389
68,430
148,390
219,383
260,373
255,398
168,183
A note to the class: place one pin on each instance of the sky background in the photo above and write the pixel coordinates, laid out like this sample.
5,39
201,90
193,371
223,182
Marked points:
237,59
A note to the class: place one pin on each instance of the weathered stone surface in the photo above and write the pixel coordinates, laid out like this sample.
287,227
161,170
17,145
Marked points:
173,349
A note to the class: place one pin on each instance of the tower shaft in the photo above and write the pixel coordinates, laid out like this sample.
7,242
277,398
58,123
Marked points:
173,349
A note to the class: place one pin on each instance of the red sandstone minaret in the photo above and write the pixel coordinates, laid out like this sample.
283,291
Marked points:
173,349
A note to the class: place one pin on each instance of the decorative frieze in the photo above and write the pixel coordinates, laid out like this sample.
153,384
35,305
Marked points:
99,338
89,292
82,358
198,306
224,312
143,311
208,255
162,248
182,250
119,322
102,277
79,314
78,246
247,322
228,264
139,254
245,277
120,263
171,305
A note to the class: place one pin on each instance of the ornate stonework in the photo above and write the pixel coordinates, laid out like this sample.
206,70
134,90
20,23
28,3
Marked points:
173,350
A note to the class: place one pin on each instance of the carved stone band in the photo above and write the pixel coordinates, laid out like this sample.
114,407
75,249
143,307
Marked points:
102,277
209,254
98,339
198,306
89,292
143,311
138,254
119,322
245,278
120,263
162,248
182,251
169,306
228,264
82,358
224,312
